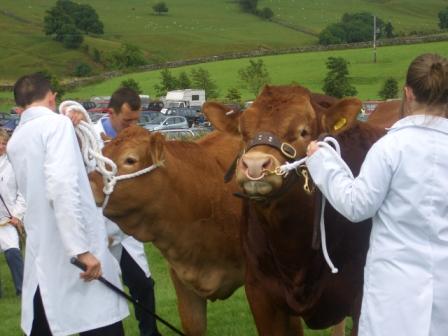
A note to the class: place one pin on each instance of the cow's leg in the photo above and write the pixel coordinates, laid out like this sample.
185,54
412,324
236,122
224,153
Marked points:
192,308
339,329
270,320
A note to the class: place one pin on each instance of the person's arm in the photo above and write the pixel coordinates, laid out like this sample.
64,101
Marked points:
355,198
62,171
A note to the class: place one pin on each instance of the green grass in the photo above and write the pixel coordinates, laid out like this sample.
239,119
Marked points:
225,318
307,69
313,15
192,28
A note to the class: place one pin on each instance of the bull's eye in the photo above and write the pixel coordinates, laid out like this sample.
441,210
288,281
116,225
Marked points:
130,161
304,133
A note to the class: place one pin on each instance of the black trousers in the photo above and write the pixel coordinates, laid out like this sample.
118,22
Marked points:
141,289
41,328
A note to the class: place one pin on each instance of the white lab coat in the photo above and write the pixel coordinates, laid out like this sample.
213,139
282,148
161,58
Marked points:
135,248
61,221
403,185
14,201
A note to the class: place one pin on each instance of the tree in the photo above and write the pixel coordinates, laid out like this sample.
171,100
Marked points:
337,83
443,18
389,30
390,89
82,70
233,95
72,37
201,79
167,83
160,8
54,20
354,27
266,13
87,20
128,56
183,82
131,84
249,6
55,84
254,76
65,21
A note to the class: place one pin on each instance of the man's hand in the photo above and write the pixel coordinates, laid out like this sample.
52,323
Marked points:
17,223
93,266
76,116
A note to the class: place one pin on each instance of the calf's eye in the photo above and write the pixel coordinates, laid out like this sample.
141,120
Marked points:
130,161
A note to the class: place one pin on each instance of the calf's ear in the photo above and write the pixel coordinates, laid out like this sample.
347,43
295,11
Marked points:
156,146
222,118
341,116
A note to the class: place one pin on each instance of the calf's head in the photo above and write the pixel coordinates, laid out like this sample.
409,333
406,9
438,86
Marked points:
132,150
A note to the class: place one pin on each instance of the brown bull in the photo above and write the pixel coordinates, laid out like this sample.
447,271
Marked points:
285,276
386,114
185,209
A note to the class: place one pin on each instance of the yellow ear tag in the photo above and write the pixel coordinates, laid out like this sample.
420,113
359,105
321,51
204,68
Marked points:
339,124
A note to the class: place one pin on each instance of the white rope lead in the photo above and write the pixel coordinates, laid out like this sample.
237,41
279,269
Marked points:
92,154
286,168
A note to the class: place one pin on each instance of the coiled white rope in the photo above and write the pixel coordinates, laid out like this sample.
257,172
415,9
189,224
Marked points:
91,151
286,168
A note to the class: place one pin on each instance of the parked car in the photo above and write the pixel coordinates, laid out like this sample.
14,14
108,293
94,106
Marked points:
88,105
101,106
147,116
95,116
11,123
184,133
155,106
165,122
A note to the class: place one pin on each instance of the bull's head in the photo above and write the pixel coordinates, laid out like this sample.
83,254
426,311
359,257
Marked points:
133,150
277,128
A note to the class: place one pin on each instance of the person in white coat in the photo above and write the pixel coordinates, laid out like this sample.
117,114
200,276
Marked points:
403,185
61,221
124,110
12,209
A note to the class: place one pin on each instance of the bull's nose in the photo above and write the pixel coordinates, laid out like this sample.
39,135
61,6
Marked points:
255,165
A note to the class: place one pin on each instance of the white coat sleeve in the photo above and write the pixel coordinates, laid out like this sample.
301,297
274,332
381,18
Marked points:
355,198
62,171
19,208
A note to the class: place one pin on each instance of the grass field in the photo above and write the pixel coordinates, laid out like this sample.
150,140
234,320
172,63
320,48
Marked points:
192,28
225,318
307,69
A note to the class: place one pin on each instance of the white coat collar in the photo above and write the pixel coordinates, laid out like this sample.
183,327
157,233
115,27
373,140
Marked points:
421,121
34,112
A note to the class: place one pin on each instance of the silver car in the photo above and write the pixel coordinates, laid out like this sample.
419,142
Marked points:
166,122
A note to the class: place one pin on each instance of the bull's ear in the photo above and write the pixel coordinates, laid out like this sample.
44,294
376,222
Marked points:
222,117
156,146
341,116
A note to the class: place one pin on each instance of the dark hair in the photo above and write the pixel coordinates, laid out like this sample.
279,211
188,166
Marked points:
427,76
31,88
125,95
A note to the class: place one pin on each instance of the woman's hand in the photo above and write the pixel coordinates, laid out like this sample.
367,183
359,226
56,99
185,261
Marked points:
312,148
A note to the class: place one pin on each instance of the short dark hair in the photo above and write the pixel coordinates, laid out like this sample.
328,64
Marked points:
31,88
125,95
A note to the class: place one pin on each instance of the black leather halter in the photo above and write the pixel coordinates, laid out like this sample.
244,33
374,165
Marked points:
263,139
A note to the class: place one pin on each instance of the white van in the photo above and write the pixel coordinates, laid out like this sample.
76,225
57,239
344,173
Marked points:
185,98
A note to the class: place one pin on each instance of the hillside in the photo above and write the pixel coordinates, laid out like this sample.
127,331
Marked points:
191,28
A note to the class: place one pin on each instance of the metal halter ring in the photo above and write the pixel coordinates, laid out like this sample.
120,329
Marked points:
288,150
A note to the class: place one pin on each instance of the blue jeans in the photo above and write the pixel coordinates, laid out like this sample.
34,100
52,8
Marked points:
15,263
